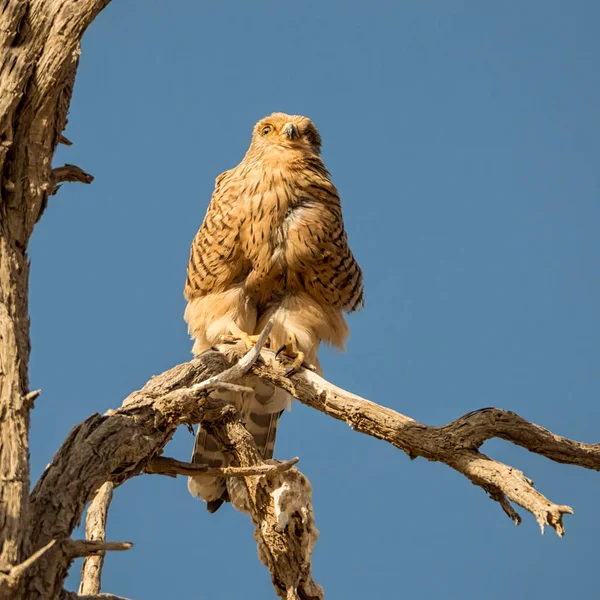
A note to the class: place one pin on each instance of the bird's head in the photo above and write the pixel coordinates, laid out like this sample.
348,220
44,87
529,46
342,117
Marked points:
285,132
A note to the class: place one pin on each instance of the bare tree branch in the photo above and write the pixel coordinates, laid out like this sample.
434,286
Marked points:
455,444
95,530
128,441
13,578
280,508
29,399
65,595
69,549
241,367
117,446
68,173
71,173
162,465
79,548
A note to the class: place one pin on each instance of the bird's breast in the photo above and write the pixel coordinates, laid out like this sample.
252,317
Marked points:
271,216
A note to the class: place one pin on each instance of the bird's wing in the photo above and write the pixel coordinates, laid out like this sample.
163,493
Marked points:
318,249
215,258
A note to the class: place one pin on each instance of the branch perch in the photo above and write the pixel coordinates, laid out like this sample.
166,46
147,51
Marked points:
128,441
240,368
455,444
162,465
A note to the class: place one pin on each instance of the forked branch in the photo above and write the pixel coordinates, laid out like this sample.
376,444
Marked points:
128,441
456,444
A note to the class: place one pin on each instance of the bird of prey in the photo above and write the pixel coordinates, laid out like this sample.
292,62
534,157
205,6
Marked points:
272,244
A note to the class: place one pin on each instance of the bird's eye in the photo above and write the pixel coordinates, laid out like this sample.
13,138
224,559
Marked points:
266,130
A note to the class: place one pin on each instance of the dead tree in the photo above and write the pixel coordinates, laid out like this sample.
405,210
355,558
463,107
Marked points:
38,61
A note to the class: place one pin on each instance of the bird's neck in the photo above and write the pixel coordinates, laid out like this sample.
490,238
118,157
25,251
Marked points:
289,160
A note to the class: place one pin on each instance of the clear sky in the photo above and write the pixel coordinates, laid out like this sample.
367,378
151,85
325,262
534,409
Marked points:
464,140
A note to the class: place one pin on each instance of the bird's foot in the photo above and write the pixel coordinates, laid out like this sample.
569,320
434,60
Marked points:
291,350
236,334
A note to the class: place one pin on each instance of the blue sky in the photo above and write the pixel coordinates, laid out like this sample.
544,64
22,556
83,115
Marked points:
464,140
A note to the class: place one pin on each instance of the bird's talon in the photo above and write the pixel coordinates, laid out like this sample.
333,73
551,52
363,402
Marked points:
290,349
236,335
296,364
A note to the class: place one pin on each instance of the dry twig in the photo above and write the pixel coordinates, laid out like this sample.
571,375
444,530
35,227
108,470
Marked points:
95,530
162,465
79,548
13,578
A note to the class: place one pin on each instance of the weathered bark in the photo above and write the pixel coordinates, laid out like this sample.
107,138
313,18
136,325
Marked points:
14,413
95,530
163,465
280,508
40,46
107,448
122,443
456,444
39,41
125,442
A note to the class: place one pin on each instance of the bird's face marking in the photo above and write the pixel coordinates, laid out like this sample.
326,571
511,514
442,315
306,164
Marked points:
286,132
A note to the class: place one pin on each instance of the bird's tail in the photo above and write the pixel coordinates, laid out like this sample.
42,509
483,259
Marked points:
260,414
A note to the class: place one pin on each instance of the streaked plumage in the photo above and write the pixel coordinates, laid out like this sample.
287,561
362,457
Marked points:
272,244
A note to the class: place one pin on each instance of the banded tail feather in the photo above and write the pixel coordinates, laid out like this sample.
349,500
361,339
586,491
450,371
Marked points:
260,415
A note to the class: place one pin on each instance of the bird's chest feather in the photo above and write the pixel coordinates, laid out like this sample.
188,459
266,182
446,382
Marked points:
269,214
276,208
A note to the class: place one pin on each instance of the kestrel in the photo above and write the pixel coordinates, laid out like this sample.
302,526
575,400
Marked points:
272,244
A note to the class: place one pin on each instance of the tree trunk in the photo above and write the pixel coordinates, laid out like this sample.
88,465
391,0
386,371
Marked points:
14,410
38,60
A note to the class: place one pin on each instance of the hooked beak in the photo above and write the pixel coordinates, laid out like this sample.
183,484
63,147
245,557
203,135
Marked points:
290,130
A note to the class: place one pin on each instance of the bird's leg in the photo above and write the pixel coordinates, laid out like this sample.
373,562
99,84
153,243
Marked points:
290,349
236,334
